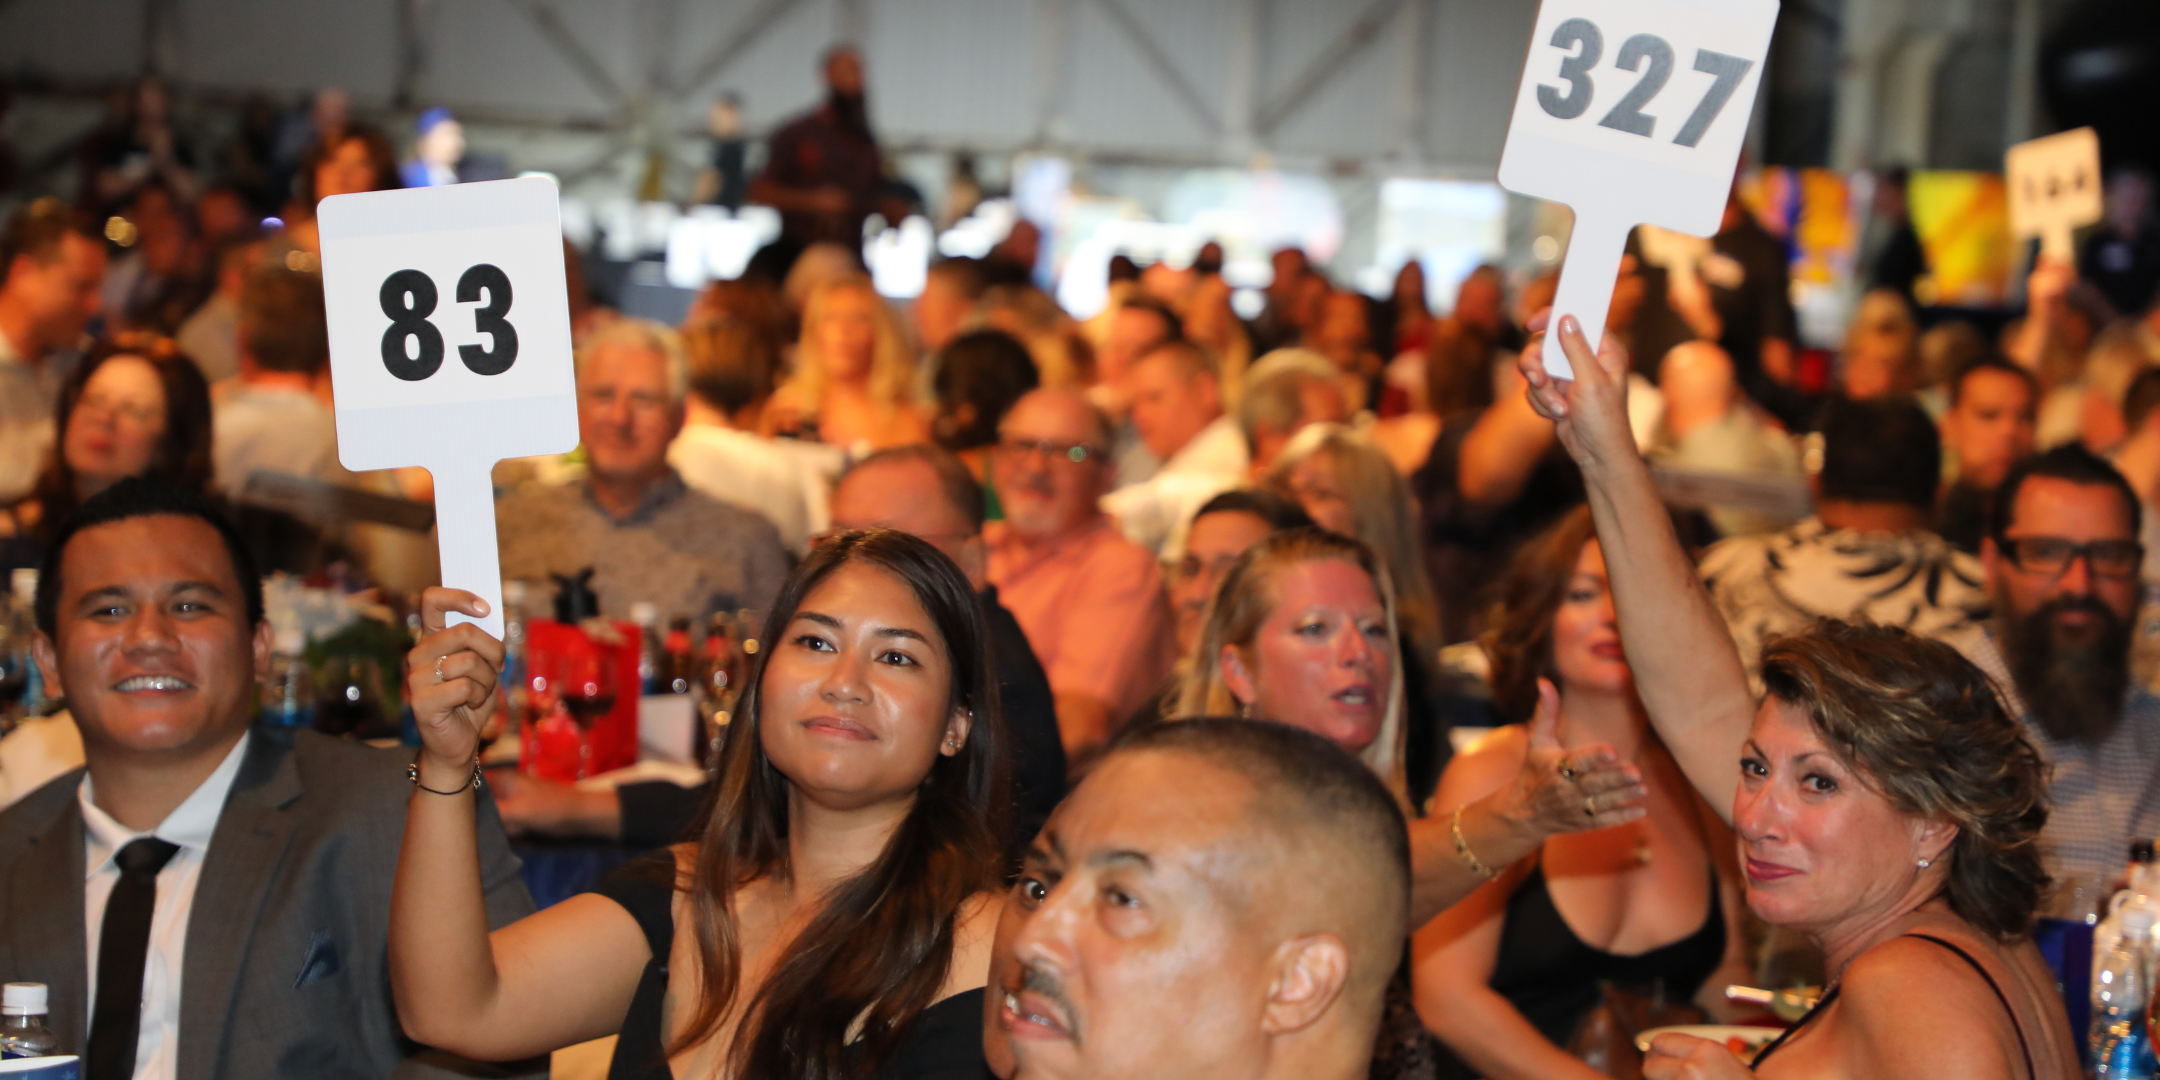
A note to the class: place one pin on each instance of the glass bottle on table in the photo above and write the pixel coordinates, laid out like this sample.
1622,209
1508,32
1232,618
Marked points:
652,678
288,689
679,667
515,594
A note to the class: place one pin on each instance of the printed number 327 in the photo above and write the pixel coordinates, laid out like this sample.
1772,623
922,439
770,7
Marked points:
1586,44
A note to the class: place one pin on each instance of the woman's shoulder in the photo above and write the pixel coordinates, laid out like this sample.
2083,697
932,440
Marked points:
1927,984
1482,767
974,938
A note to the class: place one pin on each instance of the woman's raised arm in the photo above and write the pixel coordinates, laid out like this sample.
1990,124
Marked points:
560,977
1686,668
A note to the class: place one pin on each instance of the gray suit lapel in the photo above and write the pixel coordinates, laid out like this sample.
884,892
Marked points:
245,851
45,922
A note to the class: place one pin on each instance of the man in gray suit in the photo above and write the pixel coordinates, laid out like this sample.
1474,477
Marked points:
234,906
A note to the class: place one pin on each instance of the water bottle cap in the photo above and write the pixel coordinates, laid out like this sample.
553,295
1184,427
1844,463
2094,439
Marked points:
645,613
2141,851
23,999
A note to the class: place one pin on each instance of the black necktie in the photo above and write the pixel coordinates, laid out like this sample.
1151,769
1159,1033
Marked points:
123,946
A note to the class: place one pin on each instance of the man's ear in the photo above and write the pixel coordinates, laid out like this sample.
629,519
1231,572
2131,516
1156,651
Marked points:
974,560
1235,677
262,648
1309,974
48,661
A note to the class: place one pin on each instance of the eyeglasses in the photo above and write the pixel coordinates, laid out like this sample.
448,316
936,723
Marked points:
134,412
1020,449
2052,555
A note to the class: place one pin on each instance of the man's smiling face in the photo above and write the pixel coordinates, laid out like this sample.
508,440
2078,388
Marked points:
151,643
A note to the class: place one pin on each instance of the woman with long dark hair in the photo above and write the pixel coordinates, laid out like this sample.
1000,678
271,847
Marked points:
832,919
135,406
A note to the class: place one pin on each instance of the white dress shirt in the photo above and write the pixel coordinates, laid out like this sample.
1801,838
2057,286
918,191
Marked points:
29,390
277,428
1157,512
189,827
786,480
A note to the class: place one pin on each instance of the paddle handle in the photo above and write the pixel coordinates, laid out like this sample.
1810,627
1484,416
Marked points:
1586,283
465,538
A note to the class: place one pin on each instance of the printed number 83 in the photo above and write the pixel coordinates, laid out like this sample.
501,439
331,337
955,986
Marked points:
409,297
1586,45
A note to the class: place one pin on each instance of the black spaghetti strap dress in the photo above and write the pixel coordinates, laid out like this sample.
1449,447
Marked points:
1552,977
946,1043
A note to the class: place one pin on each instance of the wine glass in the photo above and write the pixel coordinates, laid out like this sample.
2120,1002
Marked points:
587,687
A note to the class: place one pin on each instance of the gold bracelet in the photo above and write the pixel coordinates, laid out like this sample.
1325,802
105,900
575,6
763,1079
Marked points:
1462,850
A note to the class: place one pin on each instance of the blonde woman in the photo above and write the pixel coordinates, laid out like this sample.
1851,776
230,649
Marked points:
1349,485
854,381
1302,632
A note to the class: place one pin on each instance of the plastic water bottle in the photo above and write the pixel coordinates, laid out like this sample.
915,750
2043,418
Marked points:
2121,1047
2143,893
23,1032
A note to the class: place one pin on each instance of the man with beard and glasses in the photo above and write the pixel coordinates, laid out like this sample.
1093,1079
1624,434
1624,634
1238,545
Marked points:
821,169
1219,898
2062,557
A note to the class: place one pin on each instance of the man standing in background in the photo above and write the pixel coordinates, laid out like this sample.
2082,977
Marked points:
822,170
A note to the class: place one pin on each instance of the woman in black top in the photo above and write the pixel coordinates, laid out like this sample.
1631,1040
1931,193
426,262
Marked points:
833,920
1508,977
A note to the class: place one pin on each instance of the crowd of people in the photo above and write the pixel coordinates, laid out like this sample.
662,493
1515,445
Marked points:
1328,694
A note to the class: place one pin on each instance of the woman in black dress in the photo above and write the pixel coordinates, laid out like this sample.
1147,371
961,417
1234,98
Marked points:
1512,979
835,914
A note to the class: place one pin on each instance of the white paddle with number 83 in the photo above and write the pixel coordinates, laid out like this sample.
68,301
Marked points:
1632,112
450,348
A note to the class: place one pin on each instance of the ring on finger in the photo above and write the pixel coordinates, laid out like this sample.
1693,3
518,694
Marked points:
1588,809
438,668
1568,773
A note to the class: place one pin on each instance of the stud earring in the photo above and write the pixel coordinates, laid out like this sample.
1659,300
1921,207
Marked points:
1925,863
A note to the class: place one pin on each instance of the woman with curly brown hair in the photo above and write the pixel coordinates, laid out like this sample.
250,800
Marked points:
1512,980
1887,807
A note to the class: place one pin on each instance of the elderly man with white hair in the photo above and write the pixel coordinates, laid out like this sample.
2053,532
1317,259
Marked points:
645,534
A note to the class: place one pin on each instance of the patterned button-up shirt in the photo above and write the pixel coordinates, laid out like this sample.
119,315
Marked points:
686,553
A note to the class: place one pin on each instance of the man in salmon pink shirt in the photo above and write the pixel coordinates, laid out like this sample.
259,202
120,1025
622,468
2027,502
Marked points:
1091,601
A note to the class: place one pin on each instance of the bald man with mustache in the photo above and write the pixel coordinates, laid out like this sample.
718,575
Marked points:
1219,898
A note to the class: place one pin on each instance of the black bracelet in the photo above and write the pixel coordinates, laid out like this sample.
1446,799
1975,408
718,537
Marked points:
412,773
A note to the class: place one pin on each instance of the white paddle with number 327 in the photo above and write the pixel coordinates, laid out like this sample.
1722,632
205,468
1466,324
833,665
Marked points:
450,348
1632,112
